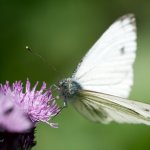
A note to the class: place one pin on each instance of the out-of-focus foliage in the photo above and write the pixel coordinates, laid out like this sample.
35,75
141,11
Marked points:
62,32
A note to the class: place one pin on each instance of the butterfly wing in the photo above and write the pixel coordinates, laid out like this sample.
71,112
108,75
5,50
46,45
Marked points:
104,108
91,111
107,67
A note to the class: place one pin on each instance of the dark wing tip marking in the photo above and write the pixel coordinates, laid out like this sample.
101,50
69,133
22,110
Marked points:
127,16
131,18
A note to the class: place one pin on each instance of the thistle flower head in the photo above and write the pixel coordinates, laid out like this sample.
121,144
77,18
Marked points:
37,105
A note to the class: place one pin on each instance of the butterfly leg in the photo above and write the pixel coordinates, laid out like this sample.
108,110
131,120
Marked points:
65,103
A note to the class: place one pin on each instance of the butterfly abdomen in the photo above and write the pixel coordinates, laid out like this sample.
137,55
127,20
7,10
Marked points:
69,88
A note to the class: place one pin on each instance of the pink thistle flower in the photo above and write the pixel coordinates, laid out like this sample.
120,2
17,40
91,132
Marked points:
38,106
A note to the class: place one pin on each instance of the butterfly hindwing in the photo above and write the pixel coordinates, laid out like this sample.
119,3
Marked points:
104,108
91,111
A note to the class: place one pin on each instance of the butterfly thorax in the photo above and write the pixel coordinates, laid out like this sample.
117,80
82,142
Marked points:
68,88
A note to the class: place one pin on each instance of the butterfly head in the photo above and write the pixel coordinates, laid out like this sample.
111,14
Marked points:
68,88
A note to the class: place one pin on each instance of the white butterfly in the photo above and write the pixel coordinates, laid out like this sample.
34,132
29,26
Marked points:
102,82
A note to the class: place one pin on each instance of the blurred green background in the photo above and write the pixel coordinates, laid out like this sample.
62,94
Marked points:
62,32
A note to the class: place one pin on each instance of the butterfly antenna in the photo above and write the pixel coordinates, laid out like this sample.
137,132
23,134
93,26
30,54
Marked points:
42,58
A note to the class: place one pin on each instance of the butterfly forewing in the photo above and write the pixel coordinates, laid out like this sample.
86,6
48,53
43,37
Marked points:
107,67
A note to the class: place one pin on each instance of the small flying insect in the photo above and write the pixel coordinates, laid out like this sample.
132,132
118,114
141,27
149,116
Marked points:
99,87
